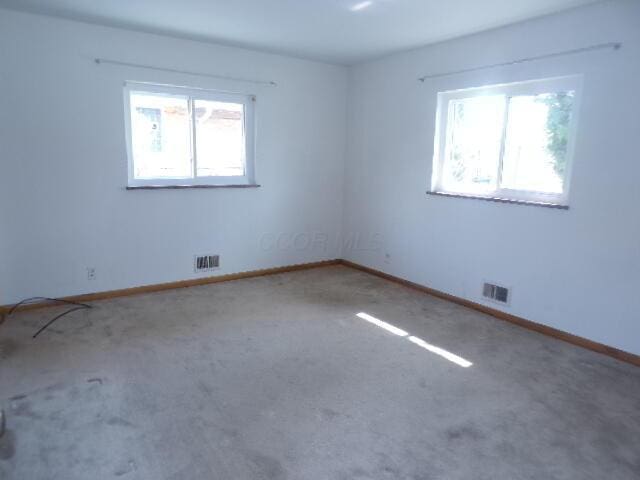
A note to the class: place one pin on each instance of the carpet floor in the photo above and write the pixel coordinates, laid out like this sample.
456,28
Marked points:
328,373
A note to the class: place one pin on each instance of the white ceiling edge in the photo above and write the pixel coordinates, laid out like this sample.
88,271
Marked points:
465,35
285,52
143,29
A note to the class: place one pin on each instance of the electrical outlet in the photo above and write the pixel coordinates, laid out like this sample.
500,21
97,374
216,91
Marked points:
387,258
91,273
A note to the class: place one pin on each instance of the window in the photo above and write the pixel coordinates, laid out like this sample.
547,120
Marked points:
184,137
511,142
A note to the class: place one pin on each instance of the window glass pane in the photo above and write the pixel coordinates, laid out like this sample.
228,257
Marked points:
161,139
473,144
535,155
220,138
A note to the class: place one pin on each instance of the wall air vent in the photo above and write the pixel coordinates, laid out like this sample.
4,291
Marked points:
496,293
206,263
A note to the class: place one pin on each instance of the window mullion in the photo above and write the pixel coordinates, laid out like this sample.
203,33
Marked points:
192,122
503,142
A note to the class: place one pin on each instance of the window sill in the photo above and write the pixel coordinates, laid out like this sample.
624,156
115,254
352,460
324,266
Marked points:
181,187
502,200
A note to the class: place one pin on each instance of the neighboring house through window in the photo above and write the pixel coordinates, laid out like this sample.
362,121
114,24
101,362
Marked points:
188,137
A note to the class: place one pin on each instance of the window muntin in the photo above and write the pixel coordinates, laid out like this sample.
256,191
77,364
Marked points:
507,141
182,137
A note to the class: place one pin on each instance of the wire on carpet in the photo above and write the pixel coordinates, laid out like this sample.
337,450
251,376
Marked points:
77,306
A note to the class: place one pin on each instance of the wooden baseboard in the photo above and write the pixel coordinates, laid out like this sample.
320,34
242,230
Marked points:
125,292
522,322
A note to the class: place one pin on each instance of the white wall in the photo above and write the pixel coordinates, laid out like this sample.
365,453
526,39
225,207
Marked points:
63,206
576,270
63,158
4,220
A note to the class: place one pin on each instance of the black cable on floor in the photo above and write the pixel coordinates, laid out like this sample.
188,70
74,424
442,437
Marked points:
78,306
31,299
46,325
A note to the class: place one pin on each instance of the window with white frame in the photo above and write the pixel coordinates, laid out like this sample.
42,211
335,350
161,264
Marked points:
511,141
188,137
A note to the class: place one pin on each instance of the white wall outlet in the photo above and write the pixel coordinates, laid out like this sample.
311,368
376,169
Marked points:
91,273
387,257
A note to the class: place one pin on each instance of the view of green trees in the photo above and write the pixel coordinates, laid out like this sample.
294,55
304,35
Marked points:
558,122
531,150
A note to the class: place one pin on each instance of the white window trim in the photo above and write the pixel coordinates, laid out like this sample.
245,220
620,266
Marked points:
198,94
532,87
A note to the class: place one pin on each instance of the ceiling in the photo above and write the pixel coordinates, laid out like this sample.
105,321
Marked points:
336,31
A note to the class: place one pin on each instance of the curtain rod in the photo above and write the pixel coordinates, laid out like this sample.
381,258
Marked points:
601,46
100,61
